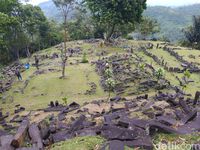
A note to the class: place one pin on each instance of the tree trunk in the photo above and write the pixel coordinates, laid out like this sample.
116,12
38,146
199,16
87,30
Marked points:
63,67
20,135
17,55
63,52
108,36
28,54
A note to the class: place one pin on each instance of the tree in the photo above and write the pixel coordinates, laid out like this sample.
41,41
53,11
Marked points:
24,29
192,33
8,26
110,83
33,20
65,6
148,26
82,26
113,13
159,73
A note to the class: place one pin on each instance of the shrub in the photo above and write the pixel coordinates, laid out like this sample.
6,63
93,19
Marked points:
159,73
84,59
65,99
108,73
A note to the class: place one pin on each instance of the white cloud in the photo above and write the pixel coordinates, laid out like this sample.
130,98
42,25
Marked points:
36,2
149,2
171,2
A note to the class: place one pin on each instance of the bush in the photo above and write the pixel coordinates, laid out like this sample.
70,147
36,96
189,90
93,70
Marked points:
129,37
159,73
84,59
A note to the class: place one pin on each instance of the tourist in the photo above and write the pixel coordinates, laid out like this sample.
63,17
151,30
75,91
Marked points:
17,73
27,66
37,62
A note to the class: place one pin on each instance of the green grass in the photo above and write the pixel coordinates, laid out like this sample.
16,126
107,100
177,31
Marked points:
191,87
80,143
171,61
182,142
187,53
48,87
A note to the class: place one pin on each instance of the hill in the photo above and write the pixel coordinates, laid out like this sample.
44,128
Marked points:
171,20
135,94
133,65
50,10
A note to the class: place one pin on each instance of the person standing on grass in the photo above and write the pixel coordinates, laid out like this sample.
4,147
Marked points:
37,62
27,66
18,74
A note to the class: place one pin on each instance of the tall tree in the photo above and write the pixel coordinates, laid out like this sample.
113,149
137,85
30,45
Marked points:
113,13
148,26
23,28
65,6
7,24
192,33
81,27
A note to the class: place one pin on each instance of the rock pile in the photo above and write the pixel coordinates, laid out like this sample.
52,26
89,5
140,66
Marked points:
187,65
9,75
123,122
125,68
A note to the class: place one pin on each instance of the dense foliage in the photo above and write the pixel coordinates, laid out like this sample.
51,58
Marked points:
148,26
171,20
23,30
114,13
192,34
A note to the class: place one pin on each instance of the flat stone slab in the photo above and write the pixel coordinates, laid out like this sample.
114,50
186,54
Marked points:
167,120
61,136
116,145
143,143
116,133
155,125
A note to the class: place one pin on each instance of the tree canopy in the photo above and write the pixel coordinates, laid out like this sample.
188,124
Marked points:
148,26
23,30
113,13
192,33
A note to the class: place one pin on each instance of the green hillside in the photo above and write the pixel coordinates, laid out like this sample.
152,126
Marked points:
45,86
173,20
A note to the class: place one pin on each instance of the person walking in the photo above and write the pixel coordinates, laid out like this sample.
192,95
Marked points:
18,74
37,62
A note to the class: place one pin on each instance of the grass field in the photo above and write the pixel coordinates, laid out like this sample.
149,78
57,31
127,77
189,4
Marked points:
48,87
188,53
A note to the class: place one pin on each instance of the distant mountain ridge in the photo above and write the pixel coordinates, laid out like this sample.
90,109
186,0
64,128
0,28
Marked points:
171,20
50,10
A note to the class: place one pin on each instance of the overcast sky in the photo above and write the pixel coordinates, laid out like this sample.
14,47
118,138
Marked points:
149,2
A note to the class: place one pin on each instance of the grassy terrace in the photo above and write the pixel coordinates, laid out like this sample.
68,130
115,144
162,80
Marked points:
171,61
48,87
186,55
191,88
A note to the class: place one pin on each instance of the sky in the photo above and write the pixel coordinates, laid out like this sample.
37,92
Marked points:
149,2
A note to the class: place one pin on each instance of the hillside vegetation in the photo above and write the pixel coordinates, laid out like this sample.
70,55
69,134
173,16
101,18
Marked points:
45,86
171,20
